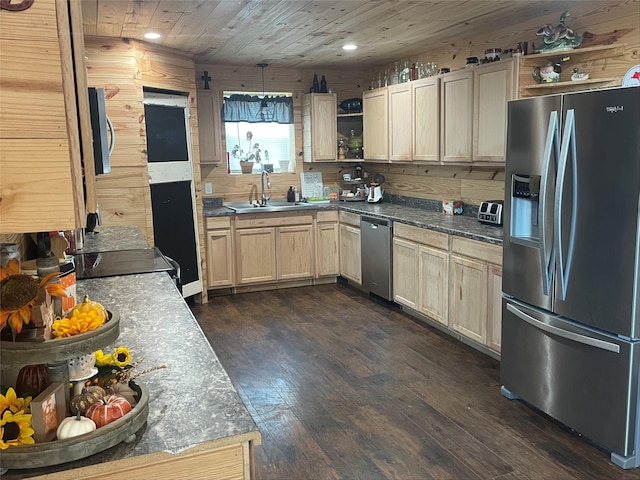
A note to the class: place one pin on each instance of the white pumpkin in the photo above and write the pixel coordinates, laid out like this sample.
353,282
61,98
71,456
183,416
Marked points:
74,426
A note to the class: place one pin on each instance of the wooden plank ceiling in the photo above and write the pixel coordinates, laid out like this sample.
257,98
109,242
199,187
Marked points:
304,34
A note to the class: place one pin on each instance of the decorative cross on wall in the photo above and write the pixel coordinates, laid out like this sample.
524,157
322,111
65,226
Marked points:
205,77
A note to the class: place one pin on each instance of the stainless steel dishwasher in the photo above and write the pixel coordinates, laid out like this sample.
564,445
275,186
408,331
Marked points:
376,237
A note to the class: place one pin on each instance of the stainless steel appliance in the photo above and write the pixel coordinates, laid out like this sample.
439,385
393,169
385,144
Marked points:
376,237
571,289
490,212
125,262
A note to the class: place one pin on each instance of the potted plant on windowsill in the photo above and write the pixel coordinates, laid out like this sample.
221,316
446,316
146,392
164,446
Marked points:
247,159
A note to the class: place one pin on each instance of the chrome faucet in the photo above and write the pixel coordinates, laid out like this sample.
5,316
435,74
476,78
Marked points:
265,198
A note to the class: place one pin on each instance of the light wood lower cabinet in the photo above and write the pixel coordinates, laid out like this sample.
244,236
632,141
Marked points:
469,297
476,288
434,281
421,270
295,252
350,249
220,257
350,253
204,461
494,325
256,255
327,244
270,247
406,272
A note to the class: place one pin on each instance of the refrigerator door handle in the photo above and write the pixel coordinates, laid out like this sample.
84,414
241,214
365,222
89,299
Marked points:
568,147
576,337
551,146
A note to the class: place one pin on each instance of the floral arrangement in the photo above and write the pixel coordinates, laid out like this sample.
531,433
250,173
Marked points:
15,420
19,293
117,367
253,154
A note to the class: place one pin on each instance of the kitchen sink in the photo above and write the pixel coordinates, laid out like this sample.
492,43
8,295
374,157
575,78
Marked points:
271,206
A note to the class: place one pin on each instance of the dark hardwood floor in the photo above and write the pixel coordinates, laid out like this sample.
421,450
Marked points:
344,387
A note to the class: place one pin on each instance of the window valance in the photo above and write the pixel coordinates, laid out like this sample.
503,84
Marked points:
251,109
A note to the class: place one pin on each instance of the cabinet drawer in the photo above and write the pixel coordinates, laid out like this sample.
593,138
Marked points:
327,216
212,223
350,218
273,220
472,248
421,235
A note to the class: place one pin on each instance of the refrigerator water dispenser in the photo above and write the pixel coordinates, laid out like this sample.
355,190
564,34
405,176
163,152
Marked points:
525,193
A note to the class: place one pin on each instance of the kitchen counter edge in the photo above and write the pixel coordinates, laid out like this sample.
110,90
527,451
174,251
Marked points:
459,225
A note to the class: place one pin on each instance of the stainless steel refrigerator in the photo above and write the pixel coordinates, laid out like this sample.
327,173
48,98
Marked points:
571,289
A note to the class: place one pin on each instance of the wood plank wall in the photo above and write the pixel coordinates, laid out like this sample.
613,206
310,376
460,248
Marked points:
346,84
123,68
618,22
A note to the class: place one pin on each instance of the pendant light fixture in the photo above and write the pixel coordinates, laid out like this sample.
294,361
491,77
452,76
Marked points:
264,113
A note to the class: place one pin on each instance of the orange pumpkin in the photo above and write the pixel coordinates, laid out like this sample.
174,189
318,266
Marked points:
108,409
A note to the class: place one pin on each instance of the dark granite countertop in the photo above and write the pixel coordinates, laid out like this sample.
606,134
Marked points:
192,401
104,239
424,215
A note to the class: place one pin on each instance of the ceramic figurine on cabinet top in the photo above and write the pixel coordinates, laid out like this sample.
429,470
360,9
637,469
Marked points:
558,37
577,76
546,74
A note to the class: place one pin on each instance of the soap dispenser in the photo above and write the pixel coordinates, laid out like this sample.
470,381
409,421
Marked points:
290,195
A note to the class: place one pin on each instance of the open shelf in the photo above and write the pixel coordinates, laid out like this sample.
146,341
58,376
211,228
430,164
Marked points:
573,86
584,58
585,54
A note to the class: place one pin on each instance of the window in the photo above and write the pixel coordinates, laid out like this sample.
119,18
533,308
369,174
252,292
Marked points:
245,127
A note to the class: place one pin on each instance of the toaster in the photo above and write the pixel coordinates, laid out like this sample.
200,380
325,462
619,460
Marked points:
491,212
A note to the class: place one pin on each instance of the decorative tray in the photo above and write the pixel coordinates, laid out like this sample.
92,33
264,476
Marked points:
62,451
59,349
355,198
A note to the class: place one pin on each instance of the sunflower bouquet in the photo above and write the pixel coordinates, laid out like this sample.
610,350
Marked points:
15,420
19,293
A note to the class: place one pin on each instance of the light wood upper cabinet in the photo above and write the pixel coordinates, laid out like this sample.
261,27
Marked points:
400,122
319,127
494,86
375,124
474,113
41,155
426,119
456,108
209,126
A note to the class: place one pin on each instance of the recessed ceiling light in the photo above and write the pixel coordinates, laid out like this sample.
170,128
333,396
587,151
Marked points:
349,46
152,36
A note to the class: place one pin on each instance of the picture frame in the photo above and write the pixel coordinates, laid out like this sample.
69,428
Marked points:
48,409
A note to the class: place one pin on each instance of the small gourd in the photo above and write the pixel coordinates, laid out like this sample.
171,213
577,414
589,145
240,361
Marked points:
32,379
89,395
74,426
124,390
87,306
108,409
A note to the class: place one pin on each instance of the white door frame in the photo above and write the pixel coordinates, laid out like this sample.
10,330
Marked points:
166,172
